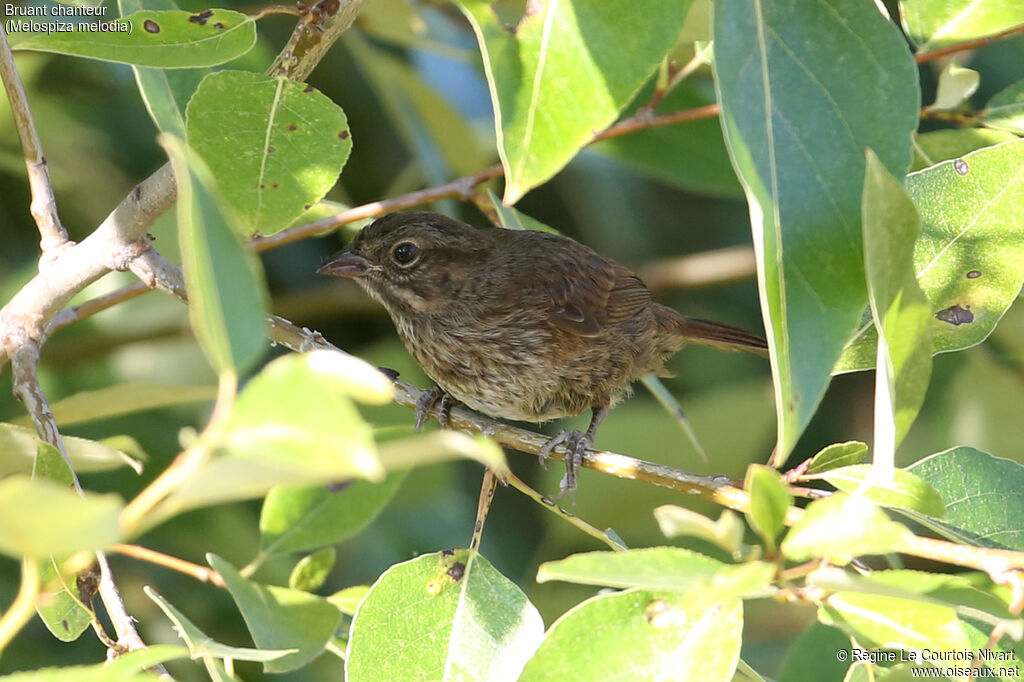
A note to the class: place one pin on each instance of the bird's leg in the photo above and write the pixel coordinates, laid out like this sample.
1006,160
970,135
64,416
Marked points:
427,401
576,445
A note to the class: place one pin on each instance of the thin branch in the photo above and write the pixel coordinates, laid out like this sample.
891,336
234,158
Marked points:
201,573
709,268
923,57
1004,566
44,206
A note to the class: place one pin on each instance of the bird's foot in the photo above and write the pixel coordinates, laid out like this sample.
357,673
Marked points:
428,400
576,445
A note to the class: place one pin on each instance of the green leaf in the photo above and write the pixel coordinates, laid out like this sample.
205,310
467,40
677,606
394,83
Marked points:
904,491
898,307
349,599
803,90
200,645
276,155
726,532
18,447
280,618
312,570
227,297
442,446
640,635
692,156
468,622
804,661
40,517
170,39
969,258
842,527
293,424
956,591
1005,111
837,455
934,24
165,92
512,219
937,146
770,500
894,623
661,568
985,496
59,604
297,519
115,401
131,666
560,53
956,84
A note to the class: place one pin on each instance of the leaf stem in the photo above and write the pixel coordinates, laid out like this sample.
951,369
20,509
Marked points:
201,573
24,605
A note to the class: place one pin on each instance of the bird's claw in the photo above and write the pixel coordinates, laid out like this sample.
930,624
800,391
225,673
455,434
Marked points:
576,445
428,400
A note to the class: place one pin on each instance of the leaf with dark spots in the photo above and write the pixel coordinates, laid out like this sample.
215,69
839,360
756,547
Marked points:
343,135
308,88
960,166
974,274
201,17
218,25
955,315
457,570
151,26
292,127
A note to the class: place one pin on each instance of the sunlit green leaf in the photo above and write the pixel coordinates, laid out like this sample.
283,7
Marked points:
348,599
18,447
800,87
39,517
894,623
564,73
842,527
905,490
969,259
837,455
726,532
647,636
661,568
898,306
770,500
312,570
937,146
121,399
956,84
131,666
468,622
934,24
278,152
1005,111
169,39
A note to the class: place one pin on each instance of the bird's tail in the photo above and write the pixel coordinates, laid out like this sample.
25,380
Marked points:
721,336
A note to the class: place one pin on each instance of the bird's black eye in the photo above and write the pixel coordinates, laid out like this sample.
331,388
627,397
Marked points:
405,253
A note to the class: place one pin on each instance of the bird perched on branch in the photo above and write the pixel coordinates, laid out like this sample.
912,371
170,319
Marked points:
519,324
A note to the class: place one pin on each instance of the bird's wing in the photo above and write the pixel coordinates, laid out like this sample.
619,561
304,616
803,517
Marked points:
584,290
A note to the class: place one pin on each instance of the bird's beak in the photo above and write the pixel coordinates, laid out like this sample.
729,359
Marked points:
346,264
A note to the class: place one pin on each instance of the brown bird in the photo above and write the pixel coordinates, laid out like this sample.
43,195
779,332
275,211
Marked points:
519,324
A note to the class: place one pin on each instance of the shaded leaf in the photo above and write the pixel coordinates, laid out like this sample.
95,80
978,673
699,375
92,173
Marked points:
348,599
1005,111
227,297
937,146
200,645
280,618
984,496
296,519
770,500
800,87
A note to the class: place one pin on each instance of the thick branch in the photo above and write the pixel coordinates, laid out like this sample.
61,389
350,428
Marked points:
44,206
